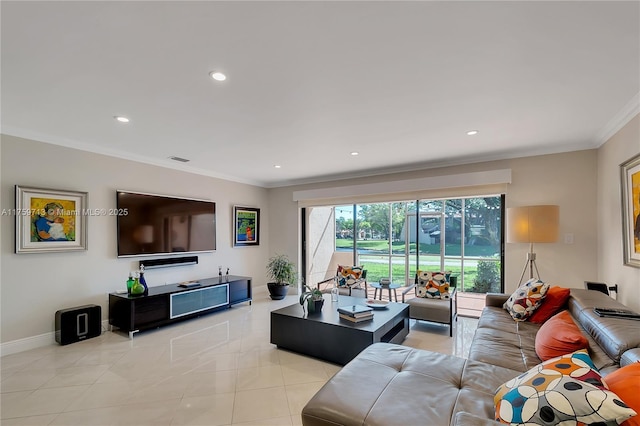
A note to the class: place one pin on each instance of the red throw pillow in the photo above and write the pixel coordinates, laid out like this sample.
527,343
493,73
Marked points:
625,382
559,336
553,302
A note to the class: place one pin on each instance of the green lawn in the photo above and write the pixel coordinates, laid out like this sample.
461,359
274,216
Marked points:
377,270
398,247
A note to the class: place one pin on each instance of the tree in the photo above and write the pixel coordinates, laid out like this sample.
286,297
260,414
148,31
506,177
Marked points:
377,217
485,212
344,226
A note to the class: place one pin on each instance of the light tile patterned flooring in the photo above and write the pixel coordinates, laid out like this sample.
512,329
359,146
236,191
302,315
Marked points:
219,369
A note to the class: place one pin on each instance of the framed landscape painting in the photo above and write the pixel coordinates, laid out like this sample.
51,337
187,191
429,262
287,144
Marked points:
50,220
630,183
246,226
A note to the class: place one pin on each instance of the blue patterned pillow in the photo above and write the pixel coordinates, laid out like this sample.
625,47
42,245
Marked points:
562,390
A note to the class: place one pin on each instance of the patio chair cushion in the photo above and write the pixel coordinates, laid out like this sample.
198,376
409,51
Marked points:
432,285
428,309
348,275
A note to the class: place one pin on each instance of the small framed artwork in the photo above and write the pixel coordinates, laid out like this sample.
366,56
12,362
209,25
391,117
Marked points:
50,220
630,184
246,226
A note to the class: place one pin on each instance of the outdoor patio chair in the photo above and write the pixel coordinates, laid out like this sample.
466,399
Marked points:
436,299
347,279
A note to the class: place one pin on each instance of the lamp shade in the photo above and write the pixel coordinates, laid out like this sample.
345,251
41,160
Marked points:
533,224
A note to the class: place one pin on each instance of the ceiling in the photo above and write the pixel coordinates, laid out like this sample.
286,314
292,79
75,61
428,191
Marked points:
310,82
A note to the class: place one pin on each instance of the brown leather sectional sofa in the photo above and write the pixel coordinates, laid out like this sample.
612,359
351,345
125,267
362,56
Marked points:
396,385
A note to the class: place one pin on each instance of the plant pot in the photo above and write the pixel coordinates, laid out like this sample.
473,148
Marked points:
277,292
314,306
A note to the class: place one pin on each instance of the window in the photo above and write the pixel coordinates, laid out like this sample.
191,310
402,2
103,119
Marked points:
394,239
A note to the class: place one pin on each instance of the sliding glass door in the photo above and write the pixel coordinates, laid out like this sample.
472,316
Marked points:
394,240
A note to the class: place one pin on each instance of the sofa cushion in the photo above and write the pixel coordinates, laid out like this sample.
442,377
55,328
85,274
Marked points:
553,302
463,418
559,336
518,338
563,389
508,350
614,335
625,382
499,319
499,340
526,299
390,384
630,356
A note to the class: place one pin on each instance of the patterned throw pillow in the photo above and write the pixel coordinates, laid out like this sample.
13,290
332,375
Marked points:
526,299
563,389
348,275
433,285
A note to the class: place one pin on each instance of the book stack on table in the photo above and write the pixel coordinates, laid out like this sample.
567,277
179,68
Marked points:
355,313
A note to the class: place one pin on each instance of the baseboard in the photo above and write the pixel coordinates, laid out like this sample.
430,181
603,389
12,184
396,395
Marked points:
34,342
27,343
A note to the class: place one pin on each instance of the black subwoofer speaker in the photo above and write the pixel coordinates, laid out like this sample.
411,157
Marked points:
79,323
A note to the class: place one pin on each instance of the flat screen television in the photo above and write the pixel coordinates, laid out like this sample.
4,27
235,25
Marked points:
151,224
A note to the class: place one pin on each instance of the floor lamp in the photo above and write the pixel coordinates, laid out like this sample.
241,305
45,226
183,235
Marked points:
532,224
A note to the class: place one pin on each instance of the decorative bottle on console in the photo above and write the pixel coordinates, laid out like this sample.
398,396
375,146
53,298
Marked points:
137,289
130,282
143,281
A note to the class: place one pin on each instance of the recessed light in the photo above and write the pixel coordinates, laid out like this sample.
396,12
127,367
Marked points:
472,132
354,153
277,166
121,119
218,76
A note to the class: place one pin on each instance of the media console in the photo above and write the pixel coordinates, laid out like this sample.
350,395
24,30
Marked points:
170,303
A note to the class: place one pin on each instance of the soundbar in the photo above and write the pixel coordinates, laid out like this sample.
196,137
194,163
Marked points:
165,263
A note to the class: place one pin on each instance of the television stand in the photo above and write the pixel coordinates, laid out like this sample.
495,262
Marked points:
170,303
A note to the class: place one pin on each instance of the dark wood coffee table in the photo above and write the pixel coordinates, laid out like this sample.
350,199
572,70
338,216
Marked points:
328,337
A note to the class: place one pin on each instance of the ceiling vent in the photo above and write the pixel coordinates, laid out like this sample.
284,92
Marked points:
182,160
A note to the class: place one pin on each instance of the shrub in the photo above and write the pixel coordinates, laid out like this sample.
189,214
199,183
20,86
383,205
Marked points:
487,279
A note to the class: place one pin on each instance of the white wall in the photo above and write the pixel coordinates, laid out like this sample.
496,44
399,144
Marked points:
568,180
34,286
611,269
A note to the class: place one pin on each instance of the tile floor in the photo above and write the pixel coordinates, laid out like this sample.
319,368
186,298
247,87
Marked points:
219,369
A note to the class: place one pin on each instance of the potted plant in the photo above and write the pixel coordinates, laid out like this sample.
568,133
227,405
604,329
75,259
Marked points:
312,298
281,272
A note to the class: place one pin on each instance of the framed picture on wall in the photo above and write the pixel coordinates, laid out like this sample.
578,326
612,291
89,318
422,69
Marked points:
246,226
50,220
630,184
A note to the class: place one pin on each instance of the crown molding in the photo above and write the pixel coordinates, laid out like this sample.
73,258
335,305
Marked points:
630,110
82,146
